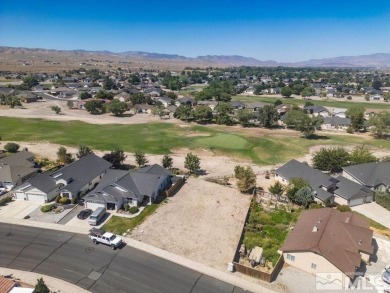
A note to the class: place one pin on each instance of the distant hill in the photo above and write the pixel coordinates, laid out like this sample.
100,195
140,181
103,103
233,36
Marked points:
373,60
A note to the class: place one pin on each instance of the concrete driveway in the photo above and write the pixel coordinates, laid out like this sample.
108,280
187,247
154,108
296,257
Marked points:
375,212
378,262
18,209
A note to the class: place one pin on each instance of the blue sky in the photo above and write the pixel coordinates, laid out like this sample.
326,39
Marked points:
290,30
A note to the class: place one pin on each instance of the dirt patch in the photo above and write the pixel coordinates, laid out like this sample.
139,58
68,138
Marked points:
197,134
203,222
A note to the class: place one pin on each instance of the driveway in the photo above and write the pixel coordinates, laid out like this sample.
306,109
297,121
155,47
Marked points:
375,212
18,209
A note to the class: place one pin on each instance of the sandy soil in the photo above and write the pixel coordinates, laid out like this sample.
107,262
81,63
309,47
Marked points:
203,222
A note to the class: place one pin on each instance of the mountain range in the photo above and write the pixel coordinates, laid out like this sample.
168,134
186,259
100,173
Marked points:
381,60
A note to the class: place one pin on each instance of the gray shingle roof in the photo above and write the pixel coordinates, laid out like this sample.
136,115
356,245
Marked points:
316,179
155,169
349,189
337,121
22,158
43,182
370,174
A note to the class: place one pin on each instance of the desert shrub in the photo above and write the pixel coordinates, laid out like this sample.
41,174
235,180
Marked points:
343,208
48,208
133,210
383,199
349,129
349,98
11,147
4,200
64,200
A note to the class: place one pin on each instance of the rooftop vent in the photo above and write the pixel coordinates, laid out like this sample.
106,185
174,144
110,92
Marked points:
315,228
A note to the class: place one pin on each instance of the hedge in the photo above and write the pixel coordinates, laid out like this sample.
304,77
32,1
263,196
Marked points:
5,200
383,199
48,208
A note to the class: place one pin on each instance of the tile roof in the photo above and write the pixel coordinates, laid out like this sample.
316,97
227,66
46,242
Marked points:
6,284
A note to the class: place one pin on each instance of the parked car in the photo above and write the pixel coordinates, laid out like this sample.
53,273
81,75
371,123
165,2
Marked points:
101,236
386,275
84,214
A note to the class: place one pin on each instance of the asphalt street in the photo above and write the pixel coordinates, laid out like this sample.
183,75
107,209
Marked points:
75,259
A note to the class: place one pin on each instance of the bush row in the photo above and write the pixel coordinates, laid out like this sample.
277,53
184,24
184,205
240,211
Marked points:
383,199
4,200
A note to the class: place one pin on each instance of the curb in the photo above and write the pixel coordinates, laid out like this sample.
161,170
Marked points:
54,284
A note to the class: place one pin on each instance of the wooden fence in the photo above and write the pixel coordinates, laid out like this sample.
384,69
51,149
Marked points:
264,276
175,188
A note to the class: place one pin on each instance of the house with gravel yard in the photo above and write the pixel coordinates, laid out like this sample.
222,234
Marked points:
329,241
340,190
118,187
70,181
336,123
16,168
375,175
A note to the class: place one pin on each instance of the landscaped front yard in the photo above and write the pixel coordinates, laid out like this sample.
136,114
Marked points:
268,230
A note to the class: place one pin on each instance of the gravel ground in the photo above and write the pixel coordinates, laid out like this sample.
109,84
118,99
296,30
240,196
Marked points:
202,222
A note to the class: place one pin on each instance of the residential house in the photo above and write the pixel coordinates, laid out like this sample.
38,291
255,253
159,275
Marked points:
165,101
256,106
123,97
70,181
250,90
237,105
27,97
350,193
143,108
385,89
375,175
211,104
118,187
376,97
330,242
283,109
339,112
336,123
16,168
185,101
322,184
317,111
275,91
6,91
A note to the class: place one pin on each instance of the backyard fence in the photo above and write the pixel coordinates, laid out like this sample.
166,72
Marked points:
175,188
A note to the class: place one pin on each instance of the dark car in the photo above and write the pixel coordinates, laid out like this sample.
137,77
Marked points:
84,214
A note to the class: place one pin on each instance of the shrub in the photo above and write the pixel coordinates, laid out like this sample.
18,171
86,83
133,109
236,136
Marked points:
126,207
73,201
349,98
11,147
4,200
48,208
133,210
64,200
383,199
58,197
349,129
343,208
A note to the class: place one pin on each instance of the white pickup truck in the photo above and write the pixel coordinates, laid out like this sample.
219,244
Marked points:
101,236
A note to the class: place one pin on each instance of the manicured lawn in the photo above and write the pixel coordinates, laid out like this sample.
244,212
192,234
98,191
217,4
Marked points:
343,103
161,138
119,225
268,230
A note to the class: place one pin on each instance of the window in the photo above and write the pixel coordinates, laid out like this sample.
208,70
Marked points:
290,257
313,266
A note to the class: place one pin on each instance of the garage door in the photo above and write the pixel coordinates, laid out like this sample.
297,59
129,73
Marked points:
93,205
35,197
19,195
356,201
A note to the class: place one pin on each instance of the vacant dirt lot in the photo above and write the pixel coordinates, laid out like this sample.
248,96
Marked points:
203,222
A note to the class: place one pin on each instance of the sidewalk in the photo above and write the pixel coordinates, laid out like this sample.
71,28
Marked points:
54,284
227,277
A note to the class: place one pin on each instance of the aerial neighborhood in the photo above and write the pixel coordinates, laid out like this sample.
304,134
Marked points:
268,172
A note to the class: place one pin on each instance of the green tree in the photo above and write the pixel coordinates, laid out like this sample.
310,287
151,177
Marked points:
184,112
331,159
376,84
171,95
85,95
380,124
103,95
356,114
278,102
268,115
304,196
69,104
287,92
116,157
300,121
11,101
11,147
41,287
83,151
244,116
360,155
137,98
95,107
109,84
192,162
246,178
56,109
307,92
277,189
140,158
167,161
203,113
29,81
294,185
117,107
63,156
224,110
